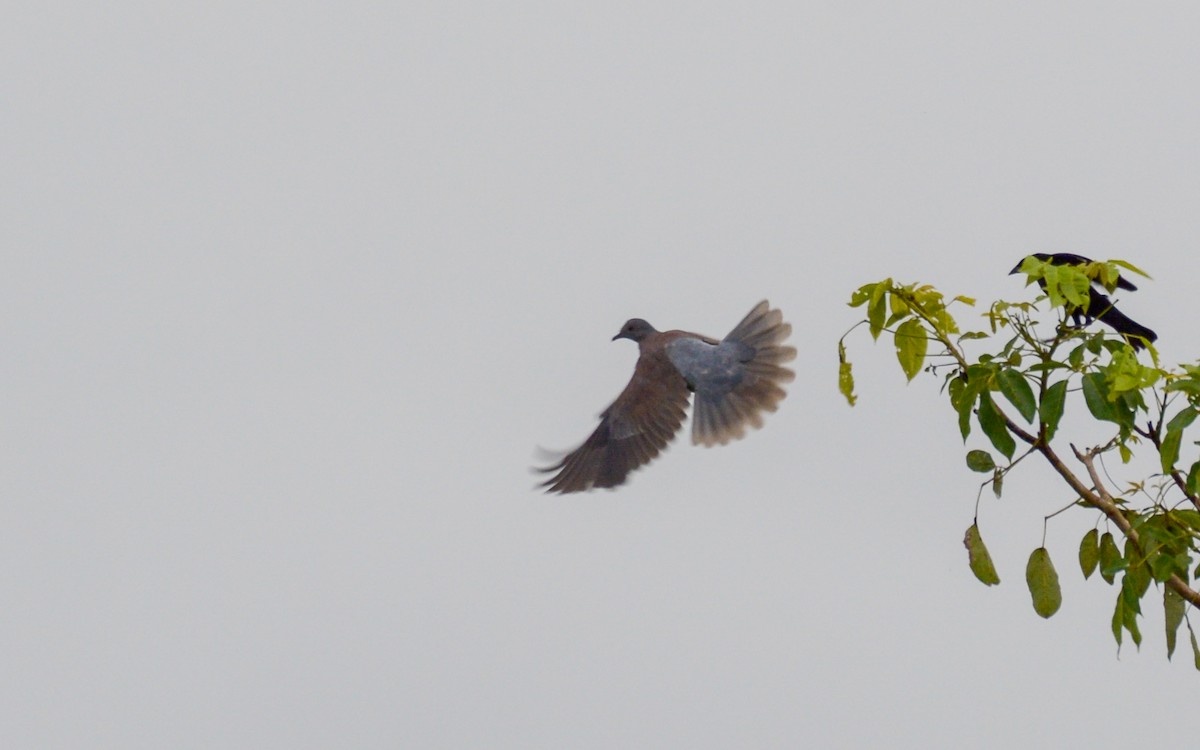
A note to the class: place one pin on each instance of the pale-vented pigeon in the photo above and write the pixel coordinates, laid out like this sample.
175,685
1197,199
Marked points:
734,379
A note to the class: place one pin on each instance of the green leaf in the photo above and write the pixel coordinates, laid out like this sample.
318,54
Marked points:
1130,609
1017,390
1118,619
997,482
911,344
877,307
978,557
1052,405
845,377
1043,583
1173,605
1170,444
965,405
1137,578
1193,479
1110,556
993,426
1095,394
980,461
1089,552
1195,648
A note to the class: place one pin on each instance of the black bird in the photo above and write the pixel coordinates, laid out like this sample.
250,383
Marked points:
1100,307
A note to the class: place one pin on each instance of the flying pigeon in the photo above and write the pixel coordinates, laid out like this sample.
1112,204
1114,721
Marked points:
735,380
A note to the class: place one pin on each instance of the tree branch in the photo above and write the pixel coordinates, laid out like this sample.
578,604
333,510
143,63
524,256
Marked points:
1102,499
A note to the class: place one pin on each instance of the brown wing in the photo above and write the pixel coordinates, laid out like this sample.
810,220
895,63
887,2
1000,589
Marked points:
631,433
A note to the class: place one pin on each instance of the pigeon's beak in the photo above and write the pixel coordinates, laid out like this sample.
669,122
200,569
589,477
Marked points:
620,335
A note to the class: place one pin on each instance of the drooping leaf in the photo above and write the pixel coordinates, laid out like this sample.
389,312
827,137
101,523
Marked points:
1095,394
1174,437
1173,606
1195,648
992,424
1089,552
1118,619
1052,405
911,345
1043,583
965,407
978,557
1130,609
997,482
1110,556
1017,390
981,461
1137,576
877,307
845,377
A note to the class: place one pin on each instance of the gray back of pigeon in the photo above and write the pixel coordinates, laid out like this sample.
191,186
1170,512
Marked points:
713,369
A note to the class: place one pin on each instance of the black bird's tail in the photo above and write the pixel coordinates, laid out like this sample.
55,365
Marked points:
1101,307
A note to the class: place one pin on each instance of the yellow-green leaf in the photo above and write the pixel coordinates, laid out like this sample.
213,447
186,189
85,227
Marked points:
877,307
1043,583
1130,266
911,344
845,377
978,557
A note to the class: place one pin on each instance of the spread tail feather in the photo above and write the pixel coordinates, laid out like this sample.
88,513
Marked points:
720,417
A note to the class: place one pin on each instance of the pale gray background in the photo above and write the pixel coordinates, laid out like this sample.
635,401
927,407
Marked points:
292,291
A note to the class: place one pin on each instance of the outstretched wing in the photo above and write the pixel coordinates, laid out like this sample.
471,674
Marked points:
632,431
737,378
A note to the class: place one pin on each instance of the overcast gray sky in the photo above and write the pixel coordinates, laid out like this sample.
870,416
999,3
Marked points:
292,293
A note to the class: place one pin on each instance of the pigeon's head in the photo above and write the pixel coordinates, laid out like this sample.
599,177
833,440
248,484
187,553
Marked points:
635,329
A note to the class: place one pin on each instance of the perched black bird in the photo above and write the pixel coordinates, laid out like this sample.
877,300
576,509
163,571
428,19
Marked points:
1100,307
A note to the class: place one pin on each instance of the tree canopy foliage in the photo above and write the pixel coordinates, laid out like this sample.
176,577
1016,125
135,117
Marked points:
1036,364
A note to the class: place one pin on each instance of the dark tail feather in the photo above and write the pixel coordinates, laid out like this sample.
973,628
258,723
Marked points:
1136,333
